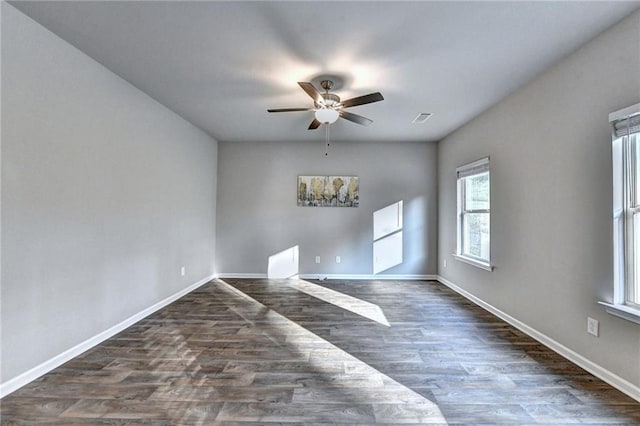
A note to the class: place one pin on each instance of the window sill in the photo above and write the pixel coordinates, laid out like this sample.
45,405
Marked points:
477,263
622,311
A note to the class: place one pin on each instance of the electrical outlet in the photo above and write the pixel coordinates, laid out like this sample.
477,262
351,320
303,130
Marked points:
317,259
182,271
338,260
592,326
444,262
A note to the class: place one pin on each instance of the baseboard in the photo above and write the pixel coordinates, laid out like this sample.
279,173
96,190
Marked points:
368,277
222,275
613,379
17,382
338,276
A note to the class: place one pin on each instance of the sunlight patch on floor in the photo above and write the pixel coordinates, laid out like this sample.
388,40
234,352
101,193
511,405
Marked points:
345,378
341,300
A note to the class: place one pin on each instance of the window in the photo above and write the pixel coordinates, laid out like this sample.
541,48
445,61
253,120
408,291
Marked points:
626,213
474,214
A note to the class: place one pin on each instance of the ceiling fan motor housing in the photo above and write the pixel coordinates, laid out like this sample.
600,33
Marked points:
326,84
330,100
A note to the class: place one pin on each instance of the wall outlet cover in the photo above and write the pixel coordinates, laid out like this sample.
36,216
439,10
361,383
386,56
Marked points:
592,326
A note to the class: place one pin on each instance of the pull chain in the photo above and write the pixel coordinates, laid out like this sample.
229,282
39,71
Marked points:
326,148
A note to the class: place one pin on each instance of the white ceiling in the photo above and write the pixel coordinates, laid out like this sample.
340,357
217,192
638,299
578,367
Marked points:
220,65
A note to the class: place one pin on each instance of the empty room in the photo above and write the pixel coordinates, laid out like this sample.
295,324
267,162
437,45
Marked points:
340,212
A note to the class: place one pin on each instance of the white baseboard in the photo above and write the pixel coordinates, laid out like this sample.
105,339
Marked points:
17,382
613,379
241,275
337,276
367,277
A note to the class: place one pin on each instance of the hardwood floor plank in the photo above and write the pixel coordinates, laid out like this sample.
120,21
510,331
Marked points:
41,389
509,396
83,376
36,407
270,366
584,414
124,409
454,381
222,394
201,364
357,396
492,414
408,413
318,380
83,422
313,412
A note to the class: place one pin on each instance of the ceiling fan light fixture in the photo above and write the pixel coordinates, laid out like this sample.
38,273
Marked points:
328,107
326,115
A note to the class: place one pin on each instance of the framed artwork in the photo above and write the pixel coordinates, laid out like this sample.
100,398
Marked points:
328,191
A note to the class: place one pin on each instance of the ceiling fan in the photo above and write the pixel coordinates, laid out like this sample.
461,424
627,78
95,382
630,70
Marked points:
328,107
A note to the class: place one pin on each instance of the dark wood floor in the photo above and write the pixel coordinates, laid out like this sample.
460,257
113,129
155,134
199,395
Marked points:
270,352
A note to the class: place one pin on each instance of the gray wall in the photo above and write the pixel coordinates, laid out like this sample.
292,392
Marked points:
105,195
550,149
258,216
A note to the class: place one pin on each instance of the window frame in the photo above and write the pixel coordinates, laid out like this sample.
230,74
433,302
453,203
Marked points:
464,172
626,205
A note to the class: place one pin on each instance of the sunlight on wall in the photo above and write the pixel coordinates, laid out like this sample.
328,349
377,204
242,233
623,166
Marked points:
283,264
387,252
387,237
415,247
341,300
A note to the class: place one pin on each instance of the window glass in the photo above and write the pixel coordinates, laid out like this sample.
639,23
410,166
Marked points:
476,235
633,286
635,153
477,192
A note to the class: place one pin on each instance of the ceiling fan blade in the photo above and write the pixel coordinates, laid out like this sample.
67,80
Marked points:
361,100
311,91
314,124
289,109
355,118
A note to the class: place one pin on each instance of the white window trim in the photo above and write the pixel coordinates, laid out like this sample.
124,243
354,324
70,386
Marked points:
478,166
619,306
474,262
622,311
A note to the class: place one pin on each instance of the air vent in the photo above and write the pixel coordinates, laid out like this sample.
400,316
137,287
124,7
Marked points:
422,117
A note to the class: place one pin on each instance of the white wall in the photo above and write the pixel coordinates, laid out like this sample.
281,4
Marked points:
105,195
551,196
258,216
